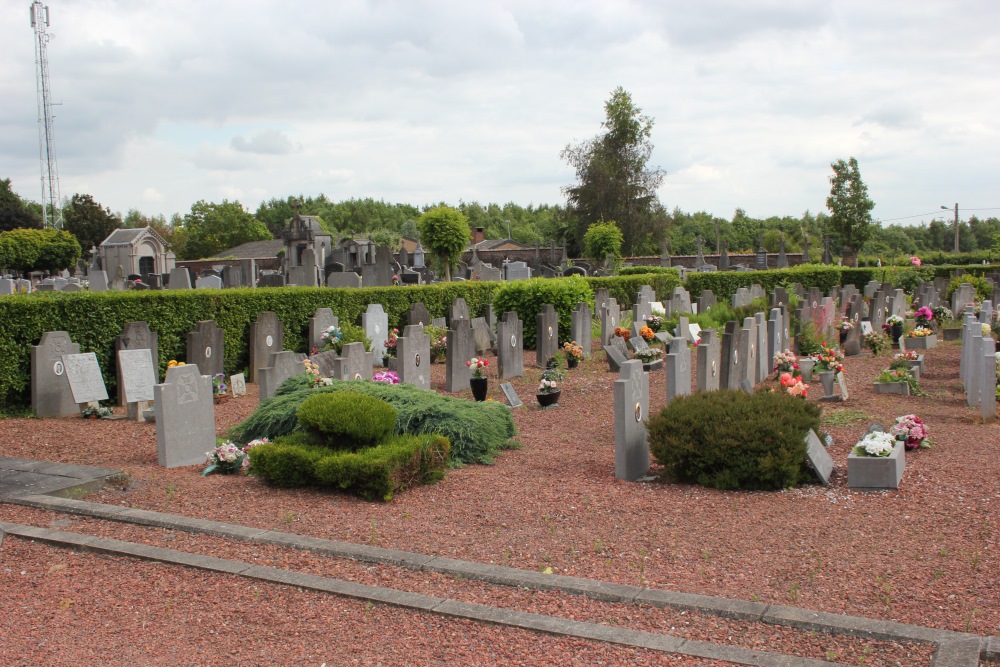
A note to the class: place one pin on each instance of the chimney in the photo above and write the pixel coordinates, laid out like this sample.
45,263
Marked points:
478,234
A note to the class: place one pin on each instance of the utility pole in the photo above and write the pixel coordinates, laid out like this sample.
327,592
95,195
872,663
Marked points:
51,202
956,225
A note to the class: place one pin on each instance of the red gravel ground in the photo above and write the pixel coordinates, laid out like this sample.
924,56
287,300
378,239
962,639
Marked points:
926,554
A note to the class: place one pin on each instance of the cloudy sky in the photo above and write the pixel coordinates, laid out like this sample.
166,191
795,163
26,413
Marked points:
165,102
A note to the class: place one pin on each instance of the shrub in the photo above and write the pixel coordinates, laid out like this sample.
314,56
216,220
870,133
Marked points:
647,270
346,419
476,431
725,283
527,297
983,289
288,463
734,440
376,473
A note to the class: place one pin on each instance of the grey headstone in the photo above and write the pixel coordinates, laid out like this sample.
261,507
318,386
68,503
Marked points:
748,351
842,383
375,322
741,298
611,317
706,300
180,278
510,346
326,363
987,390
616,356
459,310
440,322
730,357
775,342
481,336
238,384
601,295
678,368
185,417
511,394
137,374
461,348
50,392
282,365
339,279
631,412
85,379
582,326
267,336
137,336
547,336
680,301
819,458
413,355
354,363
418,314
321,320
871,288
764,362
709,369
209,282
206,347
964,294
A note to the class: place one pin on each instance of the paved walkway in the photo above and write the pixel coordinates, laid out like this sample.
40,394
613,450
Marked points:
54,486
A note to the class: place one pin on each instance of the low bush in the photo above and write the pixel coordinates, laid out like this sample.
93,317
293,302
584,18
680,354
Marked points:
287,464
476,431
734,440
346,419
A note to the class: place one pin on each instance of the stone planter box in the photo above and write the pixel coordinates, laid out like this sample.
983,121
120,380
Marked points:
925,343
918,364
654,365
952,334
902,388
876,472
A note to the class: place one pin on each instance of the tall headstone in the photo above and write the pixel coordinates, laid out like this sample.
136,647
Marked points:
510,346
137,336
709,369
185,417
775,337
459,310
547,336
764,361
723,256
180,278
611,316
987,389
282,365
706,300
748,351
461,348
678,368
730,357
209,282
680,301
631,412
852,344
321,320
375,322
741,297
98,281
206,347
601,295
50,392
582,326
418,314
482,336
413,356
267,336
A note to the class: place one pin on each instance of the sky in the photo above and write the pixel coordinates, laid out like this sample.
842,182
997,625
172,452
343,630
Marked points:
162,103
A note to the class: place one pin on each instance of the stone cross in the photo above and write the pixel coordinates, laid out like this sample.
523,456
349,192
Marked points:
631,412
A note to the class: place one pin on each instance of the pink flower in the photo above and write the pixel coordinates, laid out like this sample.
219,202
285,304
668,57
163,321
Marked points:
915,261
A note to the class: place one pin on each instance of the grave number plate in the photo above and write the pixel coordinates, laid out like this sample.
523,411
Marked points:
269,341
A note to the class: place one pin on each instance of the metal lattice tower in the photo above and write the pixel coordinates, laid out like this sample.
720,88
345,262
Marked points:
51,200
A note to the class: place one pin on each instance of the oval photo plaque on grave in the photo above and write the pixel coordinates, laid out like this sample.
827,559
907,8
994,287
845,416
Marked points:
378,329
357,376
736,356
713,368
208,353
751,351
416,360
550,332
269,341
57,368
513,341
638,412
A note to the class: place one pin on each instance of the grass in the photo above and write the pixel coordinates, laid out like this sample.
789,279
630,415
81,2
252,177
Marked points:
845,417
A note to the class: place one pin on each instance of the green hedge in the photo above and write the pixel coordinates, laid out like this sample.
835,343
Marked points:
528,297
725,283
624,288
648,270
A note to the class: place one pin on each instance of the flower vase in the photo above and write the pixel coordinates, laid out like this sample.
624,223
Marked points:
479,387
806,368
843,336
827,378
551,398
572,362
220,398
896,331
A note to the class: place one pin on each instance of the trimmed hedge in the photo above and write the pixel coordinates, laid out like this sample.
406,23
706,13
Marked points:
648,270
476,431
375,473
528,297
346,419
734,440
624,288
725,283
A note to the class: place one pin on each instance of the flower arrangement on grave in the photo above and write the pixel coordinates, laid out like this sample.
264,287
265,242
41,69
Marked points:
875,444
250,445
623,333
96,411
333,338
924,316
655,322
573,352
219,386
942,314
549,383
172,363
878,343
390,342
891,320
908,355
922,332
915,261
226,459
900,375
912,430
845,324
648,355
828,359
388,377
987,329
312,370
478,366
395,279
647,334
786,362
793,385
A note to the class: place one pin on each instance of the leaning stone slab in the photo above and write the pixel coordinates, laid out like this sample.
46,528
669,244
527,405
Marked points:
185,417
818,457
85,378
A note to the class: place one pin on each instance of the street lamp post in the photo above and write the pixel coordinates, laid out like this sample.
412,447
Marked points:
947,208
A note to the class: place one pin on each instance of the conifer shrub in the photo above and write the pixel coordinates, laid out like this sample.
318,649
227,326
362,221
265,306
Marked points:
733,439
346,419
287,462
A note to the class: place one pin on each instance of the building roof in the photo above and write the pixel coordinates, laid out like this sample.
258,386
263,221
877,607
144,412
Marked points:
253,250
131,236
500,244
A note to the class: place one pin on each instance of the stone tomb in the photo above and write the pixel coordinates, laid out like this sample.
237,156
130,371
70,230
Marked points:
413,356
354,363
50,392
85,379
267,336
582,327
631,412
185,417
206,347
281,366
547,336
510,346
321,320
375,322
461,348
708,361
137,376
136,336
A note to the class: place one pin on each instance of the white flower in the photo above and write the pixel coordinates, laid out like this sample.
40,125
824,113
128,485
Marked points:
878,444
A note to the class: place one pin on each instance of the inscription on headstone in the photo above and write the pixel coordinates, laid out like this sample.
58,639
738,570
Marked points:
85,379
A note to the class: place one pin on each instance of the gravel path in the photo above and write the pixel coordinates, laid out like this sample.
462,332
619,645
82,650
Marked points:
926,554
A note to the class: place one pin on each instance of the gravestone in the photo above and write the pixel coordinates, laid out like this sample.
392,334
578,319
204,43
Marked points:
631,395
185,417
136,377
72,287
209,282
413,356
741,298
6,286
281,366
842,383
764,361
748,351
510,346
637,342
611,317
877,312
547,336
775,338
137,336
418,315
641,311
85,379
678,368
482,337
616,355
511,394
354,363
206,347
706,300
98,281
238,385
326,363
729,361
180,278
461,348
680,301
50,392
818,457
898,304
852,344
601,295
756,292
267,336
375,322
321,320
683,330
582,327
987,375
964,294
440,322
348,279
707,352
459,310
872,287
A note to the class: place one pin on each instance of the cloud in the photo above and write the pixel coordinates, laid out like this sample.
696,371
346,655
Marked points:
264,142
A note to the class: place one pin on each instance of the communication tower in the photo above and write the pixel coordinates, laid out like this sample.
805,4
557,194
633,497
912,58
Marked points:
51,201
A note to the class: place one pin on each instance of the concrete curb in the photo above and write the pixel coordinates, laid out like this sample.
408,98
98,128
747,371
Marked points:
953,647
416,601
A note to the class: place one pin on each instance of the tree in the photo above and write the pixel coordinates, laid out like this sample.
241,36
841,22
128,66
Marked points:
14,212
444,232
614,181
850,206
34,249
212,228
59,250
603,239
88,222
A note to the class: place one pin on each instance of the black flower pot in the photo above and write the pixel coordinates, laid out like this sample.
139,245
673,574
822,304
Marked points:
572,362
545,400
896,331
479,387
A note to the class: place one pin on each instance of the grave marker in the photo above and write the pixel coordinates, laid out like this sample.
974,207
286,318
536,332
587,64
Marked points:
50,392
510,346
547,336
631,410
413,356
461,348
267,336
819,458
678,368
238,385
85,379
354,363
375,322
582,327
136,336
282,365
321,320
707,353
137,378
206,347
185,417
511,394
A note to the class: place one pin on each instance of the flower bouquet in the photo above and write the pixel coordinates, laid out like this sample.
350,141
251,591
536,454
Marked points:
623,333
655,322
921,332
388,377
878,343
793,385
828,359
786,362
477,364
333,338
647,334
924,316
879,444
648,355
219,386
912,430
226,459
573,352
845,324
390,342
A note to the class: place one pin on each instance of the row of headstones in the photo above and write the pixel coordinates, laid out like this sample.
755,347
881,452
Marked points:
978,364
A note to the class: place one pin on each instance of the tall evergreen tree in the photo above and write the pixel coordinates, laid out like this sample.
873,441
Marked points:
850,207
